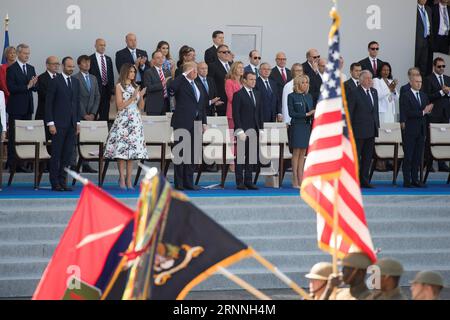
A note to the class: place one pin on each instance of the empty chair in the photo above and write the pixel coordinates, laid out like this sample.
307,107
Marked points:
387,147
440,144
30,144
91,146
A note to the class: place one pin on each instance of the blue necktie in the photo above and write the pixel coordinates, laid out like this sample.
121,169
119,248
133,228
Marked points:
268,87
425,21
88,82
418,98
205,83
24,70
194,89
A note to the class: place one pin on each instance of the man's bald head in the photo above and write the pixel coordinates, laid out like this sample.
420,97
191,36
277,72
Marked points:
131,40
52,64
280,59
100,46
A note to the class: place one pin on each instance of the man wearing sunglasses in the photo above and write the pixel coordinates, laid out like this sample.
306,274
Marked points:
255,60
372,63
311,69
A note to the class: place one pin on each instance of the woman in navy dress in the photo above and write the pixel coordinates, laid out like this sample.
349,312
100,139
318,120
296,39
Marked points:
300,109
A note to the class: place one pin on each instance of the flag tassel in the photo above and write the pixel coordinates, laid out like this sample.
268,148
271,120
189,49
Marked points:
245,285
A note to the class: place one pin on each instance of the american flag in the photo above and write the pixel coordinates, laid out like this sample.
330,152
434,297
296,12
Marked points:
331,168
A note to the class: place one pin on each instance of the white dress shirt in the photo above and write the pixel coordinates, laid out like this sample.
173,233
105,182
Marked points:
98,56
21,65
195,86
52,75
52,123
438,77
427,17
386,101
2,111
288,88
443,28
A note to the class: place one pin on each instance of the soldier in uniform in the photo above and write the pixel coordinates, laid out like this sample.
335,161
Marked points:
391,270
353,274
318,277
427,285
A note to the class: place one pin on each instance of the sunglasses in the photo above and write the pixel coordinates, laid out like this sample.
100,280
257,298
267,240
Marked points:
316,57
441,66
258,58
225,52
376,49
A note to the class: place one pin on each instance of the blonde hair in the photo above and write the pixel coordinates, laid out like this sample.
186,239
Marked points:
298,81
233,71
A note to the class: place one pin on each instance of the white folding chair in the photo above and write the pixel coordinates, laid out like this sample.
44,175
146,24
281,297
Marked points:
439,144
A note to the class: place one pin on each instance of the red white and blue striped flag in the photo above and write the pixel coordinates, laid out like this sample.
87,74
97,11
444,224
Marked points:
332,163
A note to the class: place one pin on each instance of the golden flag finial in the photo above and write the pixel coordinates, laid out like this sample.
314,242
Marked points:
6,21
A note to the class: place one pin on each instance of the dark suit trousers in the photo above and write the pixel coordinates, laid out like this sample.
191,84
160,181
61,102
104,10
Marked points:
244,171
63,143
184,172
103,108
365,154
413,146
423,57
11,135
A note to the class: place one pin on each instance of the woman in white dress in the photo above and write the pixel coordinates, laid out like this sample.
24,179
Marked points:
387,94
126,141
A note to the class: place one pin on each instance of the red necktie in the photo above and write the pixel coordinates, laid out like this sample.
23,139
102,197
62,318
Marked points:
374,67
163,81
283,75
104,76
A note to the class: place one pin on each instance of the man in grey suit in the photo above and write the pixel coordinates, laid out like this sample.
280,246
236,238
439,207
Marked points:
155,80
89,97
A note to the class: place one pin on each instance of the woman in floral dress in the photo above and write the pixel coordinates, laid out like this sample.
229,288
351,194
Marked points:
125,141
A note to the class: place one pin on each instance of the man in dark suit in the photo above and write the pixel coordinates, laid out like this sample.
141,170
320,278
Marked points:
363,109
218,70
134,56
423,54
280,74
155,80
21,80
255,59
437,87
414,106
62,116
270,103
211,53
188,122
102,69
248,121
206,83
441,26
372,63
311,69
352,83
52,64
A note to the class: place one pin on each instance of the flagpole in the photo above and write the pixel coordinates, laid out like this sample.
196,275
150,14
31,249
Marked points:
240,282
335,230
280,275
76,176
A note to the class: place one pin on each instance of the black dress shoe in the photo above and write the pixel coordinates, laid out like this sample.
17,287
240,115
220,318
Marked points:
367,186
193,188
179,188
88,169
23,169
407,185
251,187
66,188
211,168
241,187
444,168
57,188
419,185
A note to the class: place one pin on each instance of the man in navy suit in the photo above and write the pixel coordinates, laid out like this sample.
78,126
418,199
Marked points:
211,53
206,83
372,63
134,56
271,104
62,116
255,60
415,107
189,118
280,74
21,80
248,120
363,109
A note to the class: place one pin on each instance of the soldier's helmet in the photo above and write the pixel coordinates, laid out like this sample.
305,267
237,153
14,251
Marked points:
429,277
320,271
390,267
356,260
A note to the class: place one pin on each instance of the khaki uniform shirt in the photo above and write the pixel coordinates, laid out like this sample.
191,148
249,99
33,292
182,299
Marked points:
359,292
395,294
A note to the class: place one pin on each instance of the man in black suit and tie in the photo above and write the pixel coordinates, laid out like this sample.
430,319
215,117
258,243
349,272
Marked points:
270,103
134,56
352,83
102,69
437,87
211,53
21,81
280,74
248,121
52,64
62,116
441,26
372,63
311,69
363,109
155,80
423,54
217,71
414,106
206,83
188,122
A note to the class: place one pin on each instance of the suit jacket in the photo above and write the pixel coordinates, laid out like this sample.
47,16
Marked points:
96,70
154,99
21,99
415,121
247,115
420,40
211,93
211,55
217,72
62,105
271,104
89,99
441,108
315,82
275,75
349,86
43,80
363,114
123,56
187,109
440,43
366,64
248,68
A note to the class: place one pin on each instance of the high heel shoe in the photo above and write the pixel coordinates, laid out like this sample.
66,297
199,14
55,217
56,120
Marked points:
123,187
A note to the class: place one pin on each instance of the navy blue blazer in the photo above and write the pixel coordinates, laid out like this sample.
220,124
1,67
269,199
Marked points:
247,115
271,104
124,56
412,111
187,109
62,105
364,115
21,99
